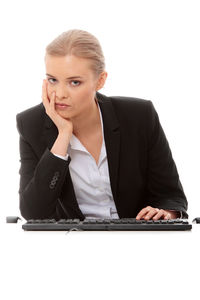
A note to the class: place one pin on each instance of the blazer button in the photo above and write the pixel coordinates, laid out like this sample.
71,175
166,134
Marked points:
51,186
53,183
56,174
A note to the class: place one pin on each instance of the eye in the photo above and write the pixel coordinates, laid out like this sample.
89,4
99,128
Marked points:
51,79
76,82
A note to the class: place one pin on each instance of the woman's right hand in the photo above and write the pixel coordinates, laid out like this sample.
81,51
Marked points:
63,125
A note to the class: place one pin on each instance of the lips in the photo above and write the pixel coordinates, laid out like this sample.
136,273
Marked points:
62,104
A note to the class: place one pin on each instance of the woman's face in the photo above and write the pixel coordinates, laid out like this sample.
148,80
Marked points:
74,83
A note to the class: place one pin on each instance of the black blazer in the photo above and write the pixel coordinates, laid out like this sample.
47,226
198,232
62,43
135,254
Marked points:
141,167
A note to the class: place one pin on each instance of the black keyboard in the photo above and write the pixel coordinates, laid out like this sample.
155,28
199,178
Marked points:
107,224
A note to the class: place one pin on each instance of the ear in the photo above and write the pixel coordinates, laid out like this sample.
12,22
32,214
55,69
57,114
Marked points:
101,81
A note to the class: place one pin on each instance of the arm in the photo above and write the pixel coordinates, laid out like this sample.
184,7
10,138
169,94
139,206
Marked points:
164,187
41,179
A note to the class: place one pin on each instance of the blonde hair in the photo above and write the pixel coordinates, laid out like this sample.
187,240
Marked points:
79,43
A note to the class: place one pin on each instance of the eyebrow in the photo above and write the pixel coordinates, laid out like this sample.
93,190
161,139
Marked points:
66,78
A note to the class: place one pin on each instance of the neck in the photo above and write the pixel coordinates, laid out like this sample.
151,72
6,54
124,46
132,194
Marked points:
87,122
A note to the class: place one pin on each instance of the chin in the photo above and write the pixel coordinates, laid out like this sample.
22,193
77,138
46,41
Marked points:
63,114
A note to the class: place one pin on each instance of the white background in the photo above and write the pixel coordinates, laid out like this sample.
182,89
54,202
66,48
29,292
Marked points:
152,51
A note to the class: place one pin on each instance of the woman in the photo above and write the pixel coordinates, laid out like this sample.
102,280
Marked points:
87,155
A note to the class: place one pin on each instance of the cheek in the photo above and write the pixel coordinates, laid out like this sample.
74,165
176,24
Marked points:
86,92
84,97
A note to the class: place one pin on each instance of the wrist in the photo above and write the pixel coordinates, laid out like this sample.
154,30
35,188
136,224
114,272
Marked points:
64,133
61,144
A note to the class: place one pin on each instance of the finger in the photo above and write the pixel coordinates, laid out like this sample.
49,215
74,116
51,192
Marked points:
159,215
52,102
167,215
151,213
143,212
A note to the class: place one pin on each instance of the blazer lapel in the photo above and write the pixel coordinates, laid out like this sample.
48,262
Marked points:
112,139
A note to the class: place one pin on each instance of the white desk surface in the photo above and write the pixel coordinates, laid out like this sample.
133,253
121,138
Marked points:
96,265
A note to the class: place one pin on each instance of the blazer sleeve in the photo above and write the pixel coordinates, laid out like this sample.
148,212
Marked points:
41,179
164,187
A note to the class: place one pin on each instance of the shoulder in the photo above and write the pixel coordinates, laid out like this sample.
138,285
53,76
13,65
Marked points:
28,118
128,100
32,112
130,107
125,103
130,103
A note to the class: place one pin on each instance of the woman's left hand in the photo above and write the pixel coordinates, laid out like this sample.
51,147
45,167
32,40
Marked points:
149,212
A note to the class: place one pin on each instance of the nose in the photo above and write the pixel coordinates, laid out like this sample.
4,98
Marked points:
61,91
